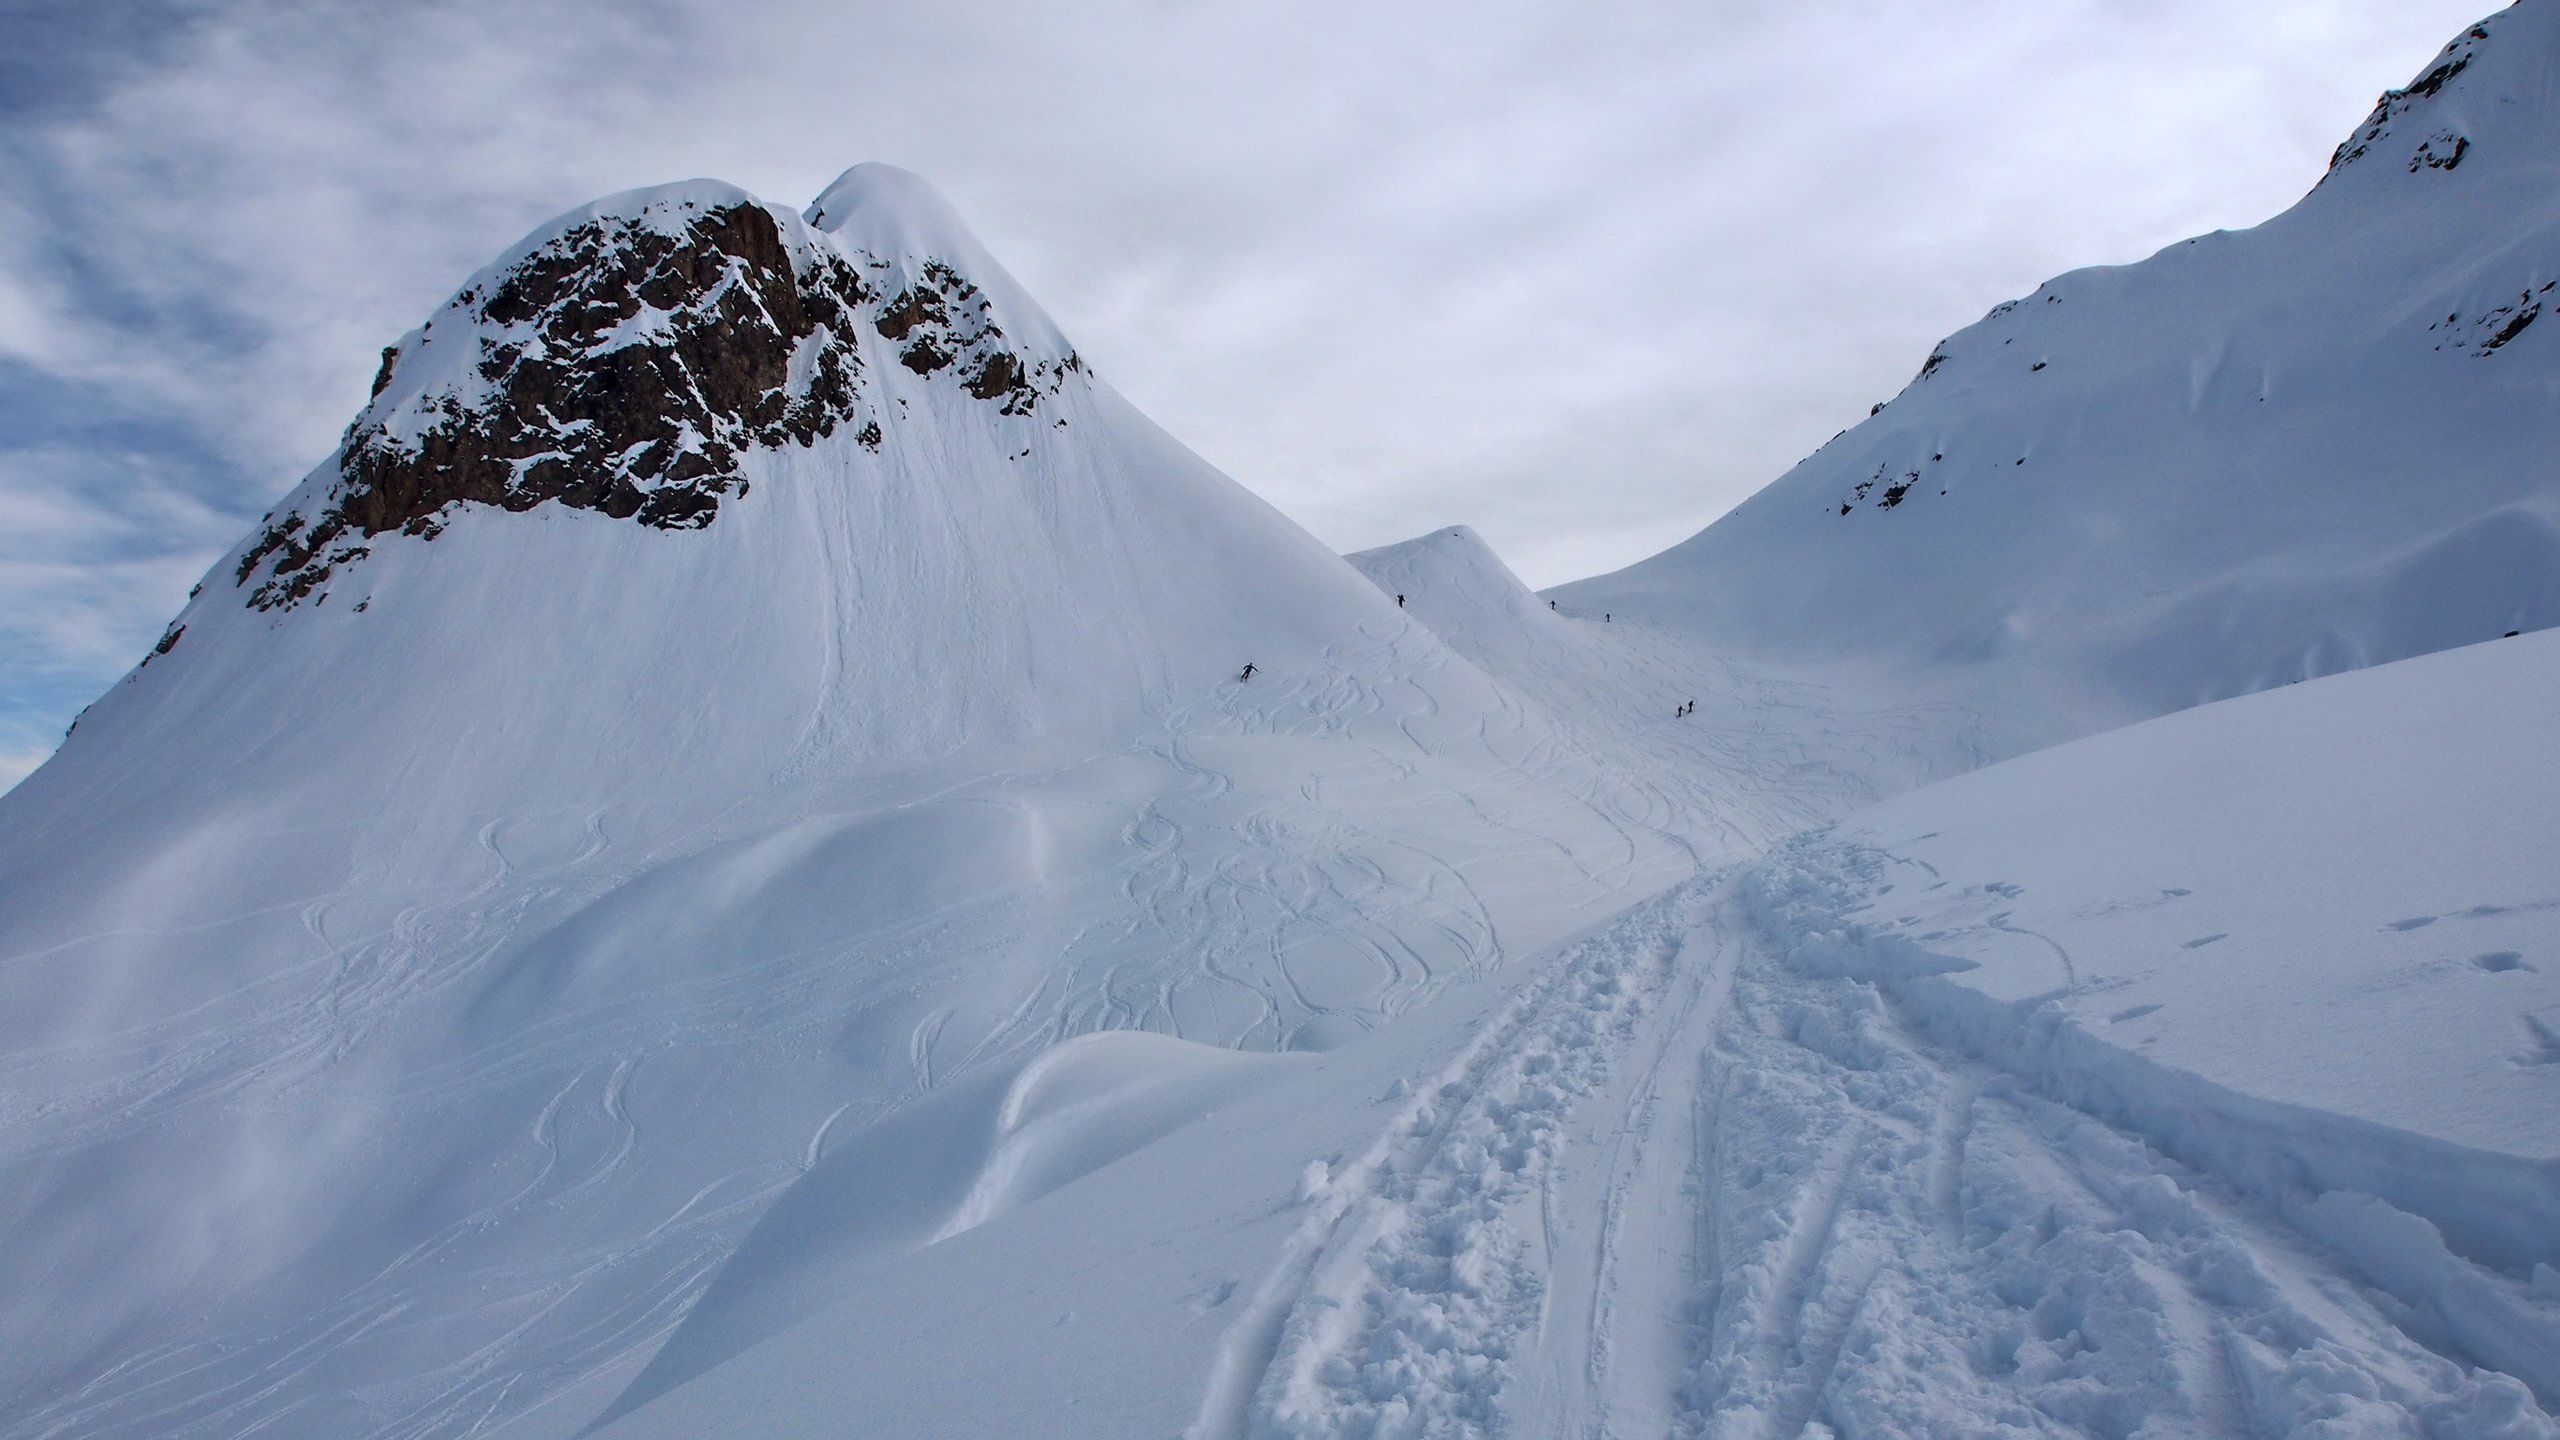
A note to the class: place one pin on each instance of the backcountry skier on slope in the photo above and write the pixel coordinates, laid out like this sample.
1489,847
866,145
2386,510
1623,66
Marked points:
1248,671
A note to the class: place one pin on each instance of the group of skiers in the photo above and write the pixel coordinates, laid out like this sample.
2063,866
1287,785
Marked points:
1247,673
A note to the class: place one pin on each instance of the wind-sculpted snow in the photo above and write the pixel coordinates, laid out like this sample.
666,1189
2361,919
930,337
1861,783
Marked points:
969,1153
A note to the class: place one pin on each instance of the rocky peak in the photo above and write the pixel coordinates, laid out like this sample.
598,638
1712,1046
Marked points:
621,359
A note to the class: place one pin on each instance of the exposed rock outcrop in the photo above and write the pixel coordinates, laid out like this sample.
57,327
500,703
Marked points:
622,364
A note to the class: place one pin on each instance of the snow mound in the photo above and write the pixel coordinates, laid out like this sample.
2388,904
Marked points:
1455,583
955,1161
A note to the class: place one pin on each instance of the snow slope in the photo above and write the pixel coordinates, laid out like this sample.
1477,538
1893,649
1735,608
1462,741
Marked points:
2254,457
2299,943
717,869
424,970
1771,1155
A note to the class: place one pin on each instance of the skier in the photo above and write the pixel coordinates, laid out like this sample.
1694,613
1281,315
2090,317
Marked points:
1248,671
1399,602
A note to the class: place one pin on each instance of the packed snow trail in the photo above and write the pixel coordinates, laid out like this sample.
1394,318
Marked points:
1681,1185
1408,1290
1909,1241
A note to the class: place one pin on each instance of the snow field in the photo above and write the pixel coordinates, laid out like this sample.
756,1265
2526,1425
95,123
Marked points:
1913,1241
591,979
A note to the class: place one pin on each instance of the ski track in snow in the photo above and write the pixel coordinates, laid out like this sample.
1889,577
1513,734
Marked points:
409,1116
1679,1187
1221,906
1673,1187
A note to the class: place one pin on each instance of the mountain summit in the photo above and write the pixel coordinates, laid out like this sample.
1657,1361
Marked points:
620,358
685,474
691,544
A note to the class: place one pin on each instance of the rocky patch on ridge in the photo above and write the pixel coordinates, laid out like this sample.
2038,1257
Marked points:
2437,150
621,367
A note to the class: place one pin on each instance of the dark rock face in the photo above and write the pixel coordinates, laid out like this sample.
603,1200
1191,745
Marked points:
2491,330
2440,151
1895,488
2396,103
621,368
942,322
643,426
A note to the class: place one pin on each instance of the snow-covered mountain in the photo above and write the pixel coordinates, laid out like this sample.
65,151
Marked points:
740,671
719,868
2256,456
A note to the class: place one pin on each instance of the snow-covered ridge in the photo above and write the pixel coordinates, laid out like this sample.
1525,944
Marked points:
620,357
2073,504
2443,148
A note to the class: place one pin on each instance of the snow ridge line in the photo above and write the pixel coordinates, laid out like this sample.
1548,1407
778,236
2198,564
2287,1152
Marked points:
1399,1299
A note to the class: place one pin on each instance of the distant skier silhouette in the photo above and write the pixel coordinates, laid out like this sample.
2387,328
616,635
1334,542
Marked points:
1399,602
1248,672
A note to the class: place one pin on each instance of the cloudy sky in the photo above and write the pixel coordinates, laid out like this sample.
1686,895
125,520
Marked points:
1583,276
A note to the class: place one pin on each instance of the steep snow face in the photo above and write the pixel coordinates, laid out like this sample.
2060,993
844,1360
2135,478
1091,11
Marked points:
1453,579
938,274
2253,457
859,496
